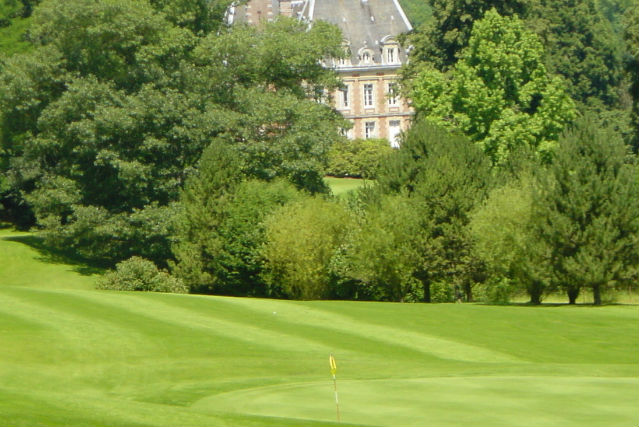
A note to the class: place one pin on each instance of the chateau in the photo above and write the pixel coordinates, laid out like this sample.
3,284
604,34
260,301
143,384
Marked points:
369,98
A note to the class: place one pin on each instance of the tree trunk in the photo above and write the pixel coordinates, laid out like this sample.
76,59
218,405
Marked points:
596,294
427,292
573,293
535,291
535,298
468,290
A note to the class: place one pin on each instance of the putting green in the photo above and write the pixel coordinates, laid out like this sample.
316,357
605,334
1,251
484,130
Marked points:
539,401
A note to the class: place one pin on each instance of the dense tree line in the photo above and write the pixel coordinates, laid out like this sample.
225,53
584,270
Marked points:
105,120
149,135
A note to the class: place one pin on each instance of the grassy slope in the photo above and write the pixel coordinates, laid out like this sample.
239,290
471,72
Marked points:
76,356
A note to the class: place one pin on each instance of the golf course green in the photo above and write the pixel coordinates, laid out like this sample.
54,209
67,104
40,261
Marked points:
75,356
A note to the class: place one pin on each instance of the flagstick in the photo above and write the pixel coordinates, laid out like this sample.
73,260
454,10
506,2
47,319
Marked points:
333,364
336,399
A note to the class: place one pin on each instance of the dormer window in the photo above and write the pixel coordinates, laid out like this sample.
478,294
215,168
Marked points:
390,50
365,55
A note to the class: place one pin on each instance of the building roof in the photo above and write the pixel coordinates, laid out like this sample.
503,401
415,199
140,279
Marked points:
364,23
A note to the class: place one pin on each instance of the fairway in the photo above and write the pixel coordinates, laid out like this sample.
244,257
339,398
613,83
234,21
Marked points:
74,356
341,186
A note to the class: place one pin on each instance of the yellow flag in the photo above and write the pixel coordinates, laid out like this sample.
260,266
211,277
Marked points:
331,361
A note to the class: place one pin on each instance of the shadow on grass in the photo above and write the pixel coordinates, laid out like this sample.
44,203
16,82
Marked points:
556,304
51,255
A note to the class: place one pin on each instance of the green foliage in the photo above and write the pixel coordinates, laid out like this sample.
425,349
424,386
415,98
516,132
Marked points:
199,16
280,55
581,46
222,233
445,176
219,171
496,290
126,43
94,233
383,255
580,38
499,93
631,38
359,158
506,240
442,292
110,114
280,132
139,274
584,214
440,40
302,239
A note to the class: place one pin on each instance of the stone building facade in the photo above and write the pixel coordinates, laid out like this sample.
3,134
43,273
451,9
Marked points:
370,28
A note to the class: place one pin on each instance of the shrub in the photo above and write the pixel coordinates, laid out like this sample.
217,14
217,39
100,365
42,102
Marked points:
496,291
302,239
441,291
218,248
139,274
360,158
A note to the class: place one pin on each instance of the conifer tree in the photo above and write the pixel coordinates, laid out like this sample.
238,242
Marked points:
587,212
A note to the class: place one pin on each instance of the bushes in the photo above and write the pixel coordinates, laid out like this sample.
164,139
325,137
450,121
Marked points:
359,158
221,254
302,239
139,274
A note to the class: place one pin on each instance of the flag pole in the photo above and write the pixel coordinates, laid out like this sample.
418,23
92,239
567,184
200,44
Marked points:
333,365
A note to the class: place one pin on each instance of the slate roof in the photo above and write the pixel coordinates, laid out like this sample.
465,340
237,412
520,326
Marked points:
364,23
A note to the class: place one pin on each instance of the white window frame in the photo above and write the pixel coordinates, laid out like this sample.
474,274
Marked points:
390,55
344,96
394,139
369,95
369,130
393,98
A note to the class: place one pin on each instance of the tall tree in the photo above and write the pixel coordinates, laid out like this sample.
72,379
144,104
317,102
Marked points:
585,212
108,117
445,176
440,41
582,47
631,37
506,240
383,255
499,93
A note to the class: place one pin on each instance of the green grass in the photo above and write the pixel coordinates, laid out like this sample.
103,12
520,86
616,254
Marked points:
75,356
341,186
11,37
